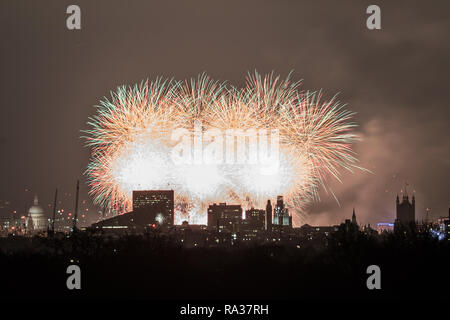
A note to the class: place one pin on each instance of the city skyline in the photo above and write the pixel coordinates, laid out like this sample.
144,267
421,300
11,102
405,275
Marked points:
405,213
226,224
228,157
91,214
402,131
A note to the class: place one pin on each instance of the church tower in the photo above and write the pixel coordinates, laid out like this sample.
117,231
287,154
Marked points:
354,217
406,211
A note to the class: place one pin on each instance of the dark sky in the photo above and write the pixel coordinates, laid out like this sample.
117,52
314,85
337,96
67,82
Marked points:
396,79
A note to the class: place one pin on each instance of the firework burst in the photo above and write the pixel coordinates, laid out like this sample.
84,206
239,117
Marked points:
131,142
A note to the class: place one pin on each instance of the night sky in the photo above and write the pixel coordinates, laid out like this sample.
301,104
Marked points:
396,79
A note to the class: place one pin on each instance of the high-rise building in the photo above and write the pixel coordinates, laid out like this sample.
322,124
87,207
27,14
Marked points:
281,215
159,204
405,210
223,217
445,227
269,216
254,224
152,209
282,221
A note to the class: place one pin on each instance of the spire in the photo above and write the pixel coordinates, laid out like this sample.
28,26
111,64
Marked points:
405,195
268,206
354,216
36,201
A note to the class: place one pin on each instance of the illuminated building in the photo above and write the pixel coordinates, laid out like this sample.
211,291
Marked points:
157,203
282,221
311,232
385,227
36,220
152,209
447,229
223,217
444,227
253,224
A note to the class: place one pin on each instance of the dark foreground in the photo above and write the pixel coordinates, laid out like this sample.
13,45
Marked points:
152,268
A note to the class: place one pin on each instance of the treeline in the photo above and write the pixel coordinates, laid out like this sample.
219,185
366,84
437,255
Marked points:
151,266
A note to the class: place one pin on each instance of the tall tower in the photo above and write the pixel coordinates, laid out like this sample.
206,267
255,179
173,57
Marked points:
406,211
354,217
279,211
281,215
269,216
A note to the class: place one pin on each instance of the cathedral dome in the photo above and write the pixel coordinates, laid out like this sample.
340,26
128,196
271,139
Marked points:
36,219
35,210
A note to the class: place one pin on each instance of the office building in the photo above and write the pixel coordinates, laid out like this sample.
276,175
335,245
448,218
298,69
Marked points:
254,224
223,217
159,204
281,218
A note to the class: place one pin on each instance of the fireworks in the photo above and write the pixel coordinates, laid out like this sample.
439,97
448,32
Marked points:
136,133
